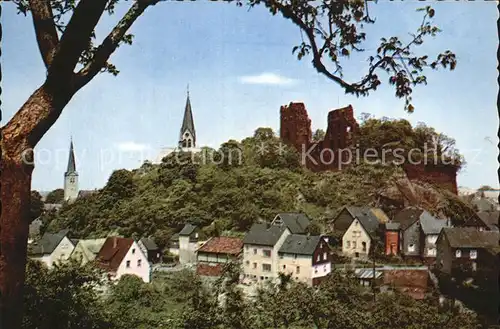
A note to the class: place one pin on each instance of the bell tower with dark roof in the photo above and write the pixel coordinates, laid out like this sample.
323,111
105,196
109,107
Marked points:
187,138
71,177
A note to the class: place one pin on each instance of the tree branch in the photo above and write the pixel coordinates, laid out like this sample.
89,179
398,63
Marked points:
287,12
110,43
74,41
45,30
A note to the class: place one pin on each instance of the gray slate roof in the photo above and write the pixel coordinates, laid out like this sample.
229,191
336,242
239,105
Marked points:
470,237
48,243
264,235
188,122
363,212
369,222
391,226
71,160
297,223
187,230
490,218
300,244
149,244
431,224
407,217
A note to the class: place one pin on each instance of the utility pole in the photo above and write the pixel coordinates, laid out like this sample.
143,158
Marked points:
372,252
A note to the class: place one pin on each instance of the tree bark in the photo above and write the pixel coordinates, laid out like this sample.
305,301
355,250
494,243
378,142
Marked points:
19,137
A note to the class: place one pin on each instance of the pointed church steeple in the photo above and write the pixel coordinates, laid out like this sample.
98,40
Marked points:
71,177
187,137
71,159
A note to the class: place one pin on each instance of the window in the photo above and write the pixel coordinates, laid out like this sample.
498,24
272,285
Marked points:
348,244
298,270
318,258
255,251
354,245
411,247
196,235
284,267
247,263
246,247
281,256
324,268
458,253
325,256
473,254
316,271
431,252
474,266
295,256
267,253
356,223
189,143
266,267
139,263
363,244
133,251
254,265
128,264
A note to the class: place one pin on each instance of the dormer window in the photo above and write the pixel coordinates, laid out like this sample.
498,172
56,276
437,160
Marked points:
473,254
458,253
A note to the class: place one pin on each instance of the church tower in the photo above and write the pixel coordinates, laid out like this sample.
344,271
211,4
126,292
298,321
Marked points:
187,137
71,177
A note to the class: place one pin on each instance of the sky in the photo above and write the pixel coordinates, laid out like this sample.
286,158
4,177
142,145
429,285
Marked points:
240,69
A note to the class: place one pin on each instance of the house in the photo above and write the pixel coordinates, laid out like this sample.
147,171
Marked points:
465,249
391,238
173,247
87,250
347,214
34,230
297,223
430,228
306,258
358,238
490,219
188,243
414,240
215,253
52,248
150,249
260,255
120,256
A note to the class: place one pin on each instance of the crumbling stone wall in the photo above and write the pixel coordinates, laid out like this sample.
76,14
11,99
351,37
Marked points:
332,153
439,175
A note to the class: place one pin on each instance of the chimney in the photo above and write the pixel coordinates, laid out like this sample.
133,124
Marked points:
114,242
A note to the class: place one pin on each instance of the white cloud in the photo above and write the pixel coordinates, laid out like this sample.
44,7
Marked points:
132,147
267,79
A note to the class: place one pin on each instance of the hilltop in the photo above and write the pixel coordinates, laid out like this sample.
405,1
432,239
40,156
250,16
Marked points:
231,188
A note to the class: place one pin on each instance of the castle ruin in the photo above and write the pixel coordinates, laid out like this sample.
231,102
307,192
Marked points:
331,153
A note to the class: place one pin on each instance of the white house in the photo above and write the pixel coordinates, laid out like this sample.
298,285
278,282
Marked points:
52,248
120,256
188,244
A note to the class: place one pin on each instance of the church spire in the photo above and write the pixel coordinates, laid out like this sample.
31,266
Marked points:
187,133
71,159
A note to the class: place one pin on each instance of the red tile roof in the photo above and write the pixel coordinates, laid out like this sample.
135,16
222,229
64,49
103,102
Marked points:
112,252
223,245
205,269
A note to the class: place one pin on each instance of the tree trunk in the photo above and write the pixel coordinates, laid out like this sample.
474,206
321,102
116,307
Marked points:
16,195
19,137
